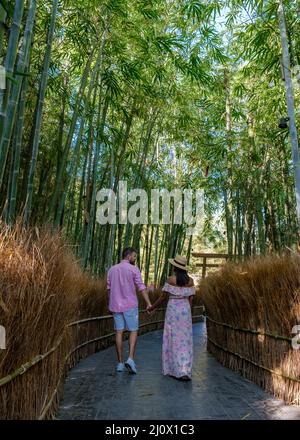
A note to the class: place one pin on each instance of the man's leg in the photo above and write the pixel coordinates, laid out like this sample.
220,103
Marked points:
119,328
132,343
131,317
119,345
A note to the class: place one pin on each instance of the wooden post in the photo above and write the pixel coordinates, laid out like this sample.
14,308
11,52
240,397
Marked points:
204,267
206,256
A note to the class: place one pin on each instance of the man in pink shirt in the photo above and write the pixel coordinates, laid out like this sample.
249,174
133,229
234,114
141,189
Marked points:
122,281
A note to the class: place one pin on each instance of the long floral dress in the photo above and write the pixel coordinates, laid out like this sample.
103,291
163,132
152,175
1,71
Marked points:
177,351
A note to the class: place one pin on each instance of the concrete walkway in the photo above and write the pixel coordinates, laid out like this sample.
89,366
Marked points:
94,391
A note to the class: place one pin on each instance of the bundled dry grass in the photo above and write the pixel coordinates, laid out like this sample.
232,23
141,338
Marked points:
262,294
43,289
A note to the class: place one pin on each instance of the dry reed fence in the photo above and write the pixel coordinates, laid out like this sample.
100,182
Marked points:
251,310
54,314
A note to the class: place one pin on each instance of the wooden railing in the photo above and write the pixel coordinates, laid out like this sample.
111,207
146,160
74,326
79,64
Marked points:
265,358
78,340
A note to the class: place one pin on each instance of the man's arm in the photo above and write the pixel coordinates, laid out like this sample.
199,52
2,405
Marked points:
107,303
141,286
145,294
108,290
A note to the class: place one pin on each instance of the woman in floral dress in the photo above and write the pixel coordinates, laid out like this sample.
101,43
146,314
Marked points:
177,351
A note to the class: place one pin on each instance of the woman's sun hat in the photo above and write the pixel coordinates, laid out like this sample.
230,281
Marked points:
179,261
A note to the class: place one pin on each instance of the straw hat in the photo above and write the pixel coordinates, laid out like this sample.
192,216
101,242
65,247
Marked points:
179,261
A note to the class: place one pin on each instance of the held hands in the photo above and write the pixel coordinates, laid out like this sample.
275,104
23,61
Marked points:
149,309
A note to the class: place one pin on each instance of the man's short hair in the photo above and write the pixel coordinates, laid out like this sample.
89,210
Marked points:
127,251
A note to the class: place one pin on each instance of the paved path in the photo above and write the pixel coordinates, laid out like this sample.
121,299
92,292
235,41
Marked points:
94,391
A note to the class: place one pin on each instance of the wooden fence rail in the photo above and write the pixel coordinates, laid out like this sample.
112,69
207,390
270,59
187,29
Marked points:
265,358
83,338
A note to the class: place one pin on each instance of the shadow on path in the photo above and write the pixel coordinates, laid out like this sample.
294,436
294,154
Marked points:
93,390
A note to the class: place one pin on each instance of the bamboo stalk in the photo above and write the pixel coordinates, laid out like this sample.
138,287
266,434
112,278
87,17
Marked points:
11,59
10,112
39,112
77,149
17,154
3,16
290,102
74,121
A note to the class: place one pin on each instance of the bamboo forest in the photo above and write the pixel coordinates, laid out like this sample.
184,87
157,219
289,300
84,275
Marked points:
175,96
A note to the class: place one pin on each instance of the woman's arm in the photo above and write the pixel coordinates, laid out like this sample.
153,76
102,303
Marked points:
191,284
160,299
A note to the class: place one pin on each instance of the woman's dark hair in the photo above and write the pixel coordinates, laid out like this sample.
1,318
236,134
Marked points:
182,278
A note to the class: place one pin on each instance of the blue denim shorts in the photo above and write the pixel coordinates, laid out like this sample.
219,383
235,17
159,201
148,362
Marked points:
128,320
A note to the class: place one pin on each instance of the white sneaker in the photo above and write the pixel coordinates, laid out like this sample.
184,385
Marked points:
120,367
130,365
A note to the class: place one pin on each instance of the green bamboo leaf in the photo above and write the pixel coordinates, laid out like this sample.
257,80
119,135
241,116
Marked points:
11,78
8,7
24,74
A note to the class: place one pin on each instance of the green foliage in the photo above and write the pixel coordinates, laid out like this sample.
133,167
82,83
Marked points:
176,99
